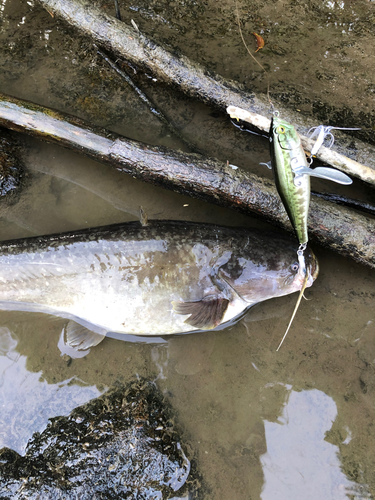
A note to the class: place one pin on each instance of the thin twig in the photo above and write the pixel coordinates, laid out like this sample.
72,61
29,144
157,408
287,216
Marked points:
117,8
243,40
253,57
346,202
147,101
139,92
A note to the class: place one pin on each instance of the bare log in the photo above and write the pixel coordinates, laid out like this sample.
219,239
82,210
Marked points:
191,78
338,228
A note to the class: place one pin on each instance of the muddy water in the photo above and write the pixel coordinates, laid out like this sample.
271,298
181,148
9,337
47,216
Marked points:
260,424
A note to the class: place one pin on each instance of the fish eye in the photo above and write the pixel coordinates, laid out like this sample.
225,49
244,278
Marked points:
294,267
280,129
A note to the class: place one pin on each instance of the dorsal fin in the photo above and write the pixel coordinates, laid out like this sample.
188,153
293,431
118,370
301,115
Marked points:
206,314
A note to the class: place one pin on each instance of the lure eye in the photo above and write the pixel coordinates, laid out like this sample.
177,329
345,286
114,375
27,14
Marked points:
294,267
280,129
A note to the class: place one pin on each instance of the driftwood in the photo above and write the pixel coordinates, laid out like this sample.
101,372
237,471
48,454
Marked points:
191,78
362,206
338,228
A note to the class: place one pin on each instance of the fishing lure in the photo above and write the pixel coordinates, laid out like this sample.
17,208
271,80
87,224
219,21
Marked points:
292,172
289,165
292,177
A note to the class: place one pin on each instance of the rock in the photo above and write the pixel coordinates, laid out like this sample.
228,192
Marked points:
120,445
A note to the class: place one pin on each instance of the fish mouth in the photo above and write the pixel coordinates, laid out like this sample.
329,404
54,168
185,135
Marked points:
311,270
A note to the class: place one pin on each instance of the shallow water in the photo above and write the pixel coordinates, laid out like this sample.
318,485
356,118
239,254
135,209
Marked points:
260,424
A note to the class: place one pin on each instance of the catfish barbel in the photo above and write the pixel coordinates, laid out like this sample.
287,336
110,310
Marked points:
167,277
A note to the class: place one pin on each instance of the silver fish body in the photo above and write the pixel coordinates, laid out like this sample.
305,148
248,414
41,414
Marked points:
169,277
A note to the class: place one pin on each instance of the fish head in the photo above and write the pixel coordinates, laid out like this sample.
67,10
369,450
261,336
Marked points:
284,134
269,274
293,277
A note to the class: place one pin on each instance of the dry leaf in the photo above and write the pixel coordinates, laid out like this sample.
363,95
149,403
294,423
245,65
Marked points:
260,41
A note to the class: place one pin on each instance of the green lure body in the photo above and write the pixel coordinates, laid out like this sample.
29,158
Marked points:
288,158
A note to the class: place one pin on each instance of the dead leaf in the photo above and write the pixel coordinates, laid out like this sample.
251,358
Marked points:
260,41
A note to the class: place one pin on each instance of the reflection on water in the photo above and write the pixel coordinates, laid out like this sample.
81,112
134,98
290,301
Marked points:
299,463
28,400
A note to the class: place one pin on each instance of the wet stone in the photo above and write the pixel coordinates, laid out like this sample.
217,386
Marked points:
120,445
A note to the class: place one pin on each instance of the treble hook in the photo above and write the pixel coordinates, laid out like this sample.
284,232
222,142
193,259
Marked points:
322,132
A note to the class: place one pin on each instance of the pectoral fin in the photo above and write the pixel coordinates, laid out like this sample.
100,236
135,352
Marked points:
81,338
205,314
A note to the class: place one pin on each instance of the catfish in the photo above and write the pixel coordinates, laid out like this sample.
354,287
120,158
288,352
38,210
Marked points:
156,279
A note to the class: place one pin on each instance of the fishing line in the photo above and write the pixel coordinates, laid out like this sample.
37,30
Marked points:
302,268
